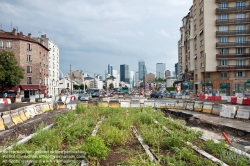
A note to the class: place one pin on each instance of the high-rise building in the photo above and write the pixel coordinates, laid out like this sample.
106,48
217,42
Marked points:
53,81
124,73
142,69
214,46
132,78
160,70
136,78
176,69
167,73
110,69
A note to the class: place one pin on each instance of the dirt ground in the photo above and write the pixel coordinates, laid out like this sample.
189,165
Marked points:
20,131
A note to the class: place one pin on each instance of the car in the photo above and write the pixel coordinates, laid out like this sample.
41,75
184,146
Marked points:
96,94
111,94
156,95
85,97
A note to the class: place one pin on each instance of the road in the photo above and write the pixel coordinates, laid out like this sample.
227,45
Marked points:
8,107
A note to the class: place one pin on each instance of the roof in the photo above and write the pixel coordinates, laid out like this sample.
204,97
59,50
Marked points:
88,78
19,36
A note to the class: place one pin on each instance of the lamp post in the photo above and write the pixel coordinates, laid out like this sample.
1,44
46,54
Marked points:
39,87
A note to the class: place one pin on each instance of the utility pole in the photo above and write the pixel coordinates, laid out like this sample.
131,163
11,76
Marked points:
144,78
94,81
205,74
71,86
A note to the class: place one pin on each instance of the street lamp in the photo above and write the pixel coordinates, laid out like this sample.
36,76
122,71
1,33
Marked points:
39,87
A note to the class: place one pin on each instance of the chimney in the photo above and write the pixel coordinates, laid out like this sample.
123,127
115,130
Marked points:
14,31
29,35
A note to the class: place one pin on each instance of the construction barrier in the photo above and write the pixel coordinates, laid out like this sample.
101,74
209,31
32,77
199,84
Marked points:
32,100
51,106
1,101
15,116
31,111
114,103
170,104
22,115
228,111
239,100
233,100
246,101
217,108
6,101
179,105
243,112
18,100
125,103
71,106
39,109
7,120
160,104
198,106
190,106
104,104
149,103
135,103
1,124
45,107
207,107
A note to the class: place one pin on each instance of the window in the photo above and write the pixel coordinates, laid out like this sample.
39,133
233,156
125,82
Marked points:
240,62
29,69
202,53
194,17
240,39
223,28
223,39
223,62
201,9
240,74
29,80
195,47
195,57
29,58
201,32
223,74
224,50
194,7
223,16
240,50
9,45
240,15
1,44
29,47
200,1
201,21
240,27
223,5
195,27
207,75
196,67
240,4
201,42
202,64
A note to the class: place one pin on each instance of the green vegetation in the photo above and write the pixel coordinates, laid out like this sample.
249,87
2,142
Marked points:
11,73
72,132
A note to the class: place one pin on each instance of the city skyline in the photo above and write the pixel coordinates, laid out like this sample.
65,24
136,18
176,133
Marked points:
97,34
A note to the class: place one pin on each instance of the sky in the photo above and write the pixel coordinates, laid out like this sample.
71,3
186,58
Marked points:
94,33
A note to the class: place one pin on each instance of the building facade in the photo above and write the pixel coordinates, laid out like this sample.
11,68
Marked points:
132,78
124,73
142,69
53,81
32,56
167,73
149,78
215,46
160,70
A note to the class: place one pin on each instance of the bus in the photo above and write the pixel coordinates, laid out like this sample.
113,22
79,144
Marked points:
124,89
93,90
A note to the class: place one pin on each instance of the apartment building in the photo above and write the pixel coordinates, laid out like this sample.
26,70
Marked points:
215,54
32,56
53,61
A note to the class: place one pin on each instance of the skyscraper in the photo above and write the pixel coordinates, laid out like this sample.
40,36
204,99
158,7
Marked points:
124,73
167,73
132,78
110,69
160,69
142,69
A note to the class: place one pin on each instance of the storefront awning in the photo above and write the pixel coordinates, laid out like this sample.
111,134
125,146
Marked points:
13,89
29,87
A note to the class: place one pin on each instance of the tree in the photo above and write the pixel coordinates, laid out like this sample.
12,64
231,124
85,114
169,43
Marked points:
82,86
111,86
76,87
11,73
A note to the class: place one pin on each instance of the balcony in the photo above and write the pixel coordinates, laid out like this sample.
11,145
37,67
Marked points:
233,44
233,67
233,32
218,1
232,9
232,21
233,56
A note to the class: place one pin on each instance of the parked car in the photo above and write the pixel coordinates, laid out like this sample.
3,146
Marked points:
96,94
156,95
111,94
85,97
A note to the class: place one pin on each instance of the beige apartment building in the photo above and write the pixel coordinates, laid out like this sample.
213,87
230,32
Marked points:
214,49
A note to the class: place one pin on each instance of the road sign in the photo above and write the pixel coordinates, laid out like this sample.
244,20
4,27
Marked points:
179,88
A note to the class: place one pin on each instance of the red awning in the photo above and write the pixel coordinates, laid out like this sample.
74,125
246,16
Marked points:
12,89
29,87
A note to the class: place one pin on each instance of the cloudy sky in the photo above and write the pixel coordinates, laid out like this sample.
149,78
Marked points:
94,33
